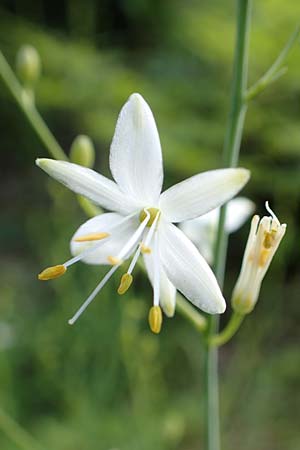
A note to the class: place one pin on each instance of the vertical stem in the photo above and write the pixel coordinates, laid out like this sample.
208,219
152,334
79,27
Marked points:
231,150
27,106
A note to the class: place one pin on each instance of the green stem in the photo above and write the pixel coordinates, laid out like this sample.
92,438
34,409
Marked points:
17,434
25,100
88,207
230,159
276,70
27,106
231,328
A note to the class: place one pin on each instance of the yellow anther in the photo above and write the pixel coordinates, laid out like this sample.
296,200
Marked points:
113,260
264,254
145,249
91,237
52,272
269,239
155,319
153,213
125,283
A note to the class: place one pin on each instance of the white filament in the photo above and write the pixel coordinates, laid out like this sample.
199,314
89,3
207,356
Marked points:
124,251
93,294
156,274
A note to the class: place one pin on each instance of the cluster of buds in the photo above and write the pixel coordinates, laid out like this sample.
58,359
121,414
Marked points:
264,238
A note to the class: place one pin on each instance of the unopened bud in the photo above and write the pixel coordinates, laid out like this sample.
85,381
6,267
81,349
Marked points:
28,64
82,151
155,319
264,238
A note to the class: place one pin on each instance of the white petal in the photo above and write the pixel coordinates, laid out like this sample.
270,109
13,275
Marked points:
188,270
201,193
89,183
238,211
202,233
202,230
167,289
120,232
135,153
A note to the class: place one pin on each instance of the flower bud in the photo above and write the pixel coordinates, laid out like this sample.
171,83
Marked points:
264,238
28,64
83,151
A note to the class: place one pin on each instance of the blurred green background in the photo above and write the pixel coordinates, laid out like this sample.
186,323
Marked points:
108,383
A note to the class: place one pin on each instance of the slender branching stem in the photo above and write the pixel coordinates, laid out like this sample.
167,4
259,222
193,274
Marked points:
230,159
276,70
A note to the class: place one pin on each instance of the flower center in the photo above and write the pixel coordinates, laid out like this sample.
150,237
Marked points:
153,213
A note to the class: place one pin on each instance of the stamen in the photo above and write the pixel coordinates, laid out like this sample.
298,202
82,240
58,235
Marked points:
134,238
89,250
83,254
145,249
93,295
155,319
125,283
52,272
263,257
134,260
113,260
124,251
273,215
269,240
91,237
151,231
156,275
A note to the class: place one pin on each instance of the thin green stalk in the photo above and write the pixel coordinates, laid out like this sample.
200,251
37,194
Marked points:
21,438
230,158
229,331
276,70
27,106
25,100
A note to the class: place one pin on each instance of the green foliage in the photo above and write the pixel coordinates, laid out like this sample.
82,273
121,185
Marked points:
107,383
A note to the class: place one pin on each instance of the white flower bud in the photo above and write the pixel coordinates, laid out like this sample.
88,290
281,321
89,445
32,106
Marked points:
264,238
28,64
83,151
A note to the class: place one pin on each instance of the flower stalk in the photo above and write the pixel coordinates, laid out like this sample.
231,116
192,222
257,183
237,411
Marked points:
27,106
229,331
231,150
276,70
24,99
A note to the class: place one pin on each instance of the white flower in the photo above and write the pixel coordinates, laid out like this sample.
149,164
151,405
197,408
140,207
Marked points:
202,230
142,218
264,238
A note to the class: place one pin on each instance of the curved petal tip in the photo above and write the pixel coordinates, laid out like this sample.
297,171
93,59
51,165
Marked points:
242,175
